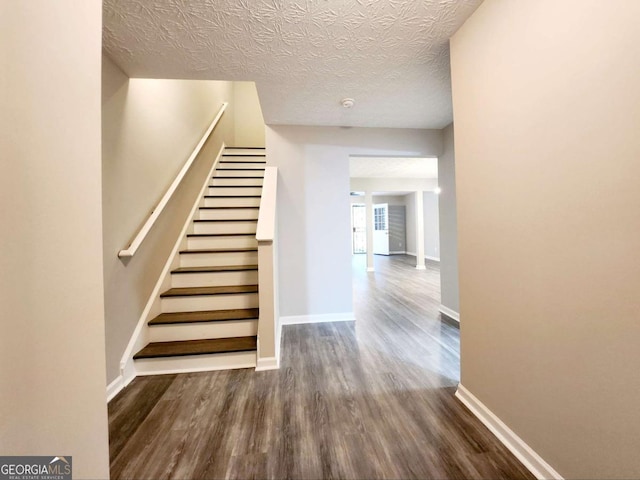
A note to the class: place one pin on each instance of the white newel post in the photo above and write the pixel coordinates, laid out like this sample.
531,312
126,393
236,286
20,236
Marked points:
268,322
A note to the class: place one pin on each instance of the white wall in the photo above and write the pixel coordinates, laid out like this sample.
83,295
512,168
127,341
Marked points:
410,203
430,221
249,124
390,199
431,226
393,184
314,219
546,98
149,129
52,368
448,223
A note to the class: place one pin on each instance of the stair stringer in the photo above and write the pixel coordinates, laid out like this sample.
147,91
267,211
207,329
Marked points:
140,336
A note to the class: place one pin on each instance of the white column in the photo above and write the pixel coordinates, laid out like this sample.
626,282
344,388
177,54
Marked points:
368,201
420,230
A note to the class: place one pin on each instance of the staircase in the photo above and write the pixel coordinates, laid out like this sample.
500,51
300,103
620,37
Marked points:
209,318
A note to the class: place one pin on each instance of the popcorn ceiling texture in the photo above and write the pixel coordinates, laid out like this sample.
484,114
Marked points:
391,56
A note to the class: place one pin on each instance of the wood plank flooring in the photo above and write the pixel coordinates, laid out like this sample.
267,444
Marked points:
364,400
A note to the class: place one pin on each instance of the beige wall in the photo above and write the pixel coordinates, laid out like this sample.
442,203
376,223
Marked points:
52,397
249,124
547,108
313,201
149,129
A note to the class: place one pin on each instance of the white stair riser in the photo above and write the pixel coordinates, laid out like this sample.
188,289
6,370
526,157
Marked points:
196,363
232,202
258,167
200,330
243,158
239,173
230,182
194,303
229,214
240,191
244,151
207,243
247,226
218,259
214,279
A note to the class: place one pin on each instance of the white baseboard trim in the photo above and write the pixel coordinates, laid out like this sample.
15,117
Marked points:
321,318
119,384
450,313
176,371
371,269
529,458
269,363
278,339
426,257
420,267
398,252
114,388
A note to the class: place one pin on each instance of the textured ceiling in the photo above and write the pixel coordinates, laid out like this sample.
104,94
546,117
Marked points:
391,56
383,167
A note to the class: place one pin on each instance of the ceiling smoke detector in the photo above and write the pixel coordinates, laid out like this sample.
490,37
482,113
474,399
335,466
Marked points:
347,102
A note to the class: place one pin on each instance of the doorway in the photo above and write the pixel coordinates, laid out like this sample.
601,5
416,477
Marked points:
381,229
358,229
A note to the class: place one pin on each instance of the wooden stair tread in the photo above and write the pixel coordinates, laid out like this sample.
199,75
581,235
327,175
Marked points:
225,208
236,154
221,235
227,220
221,250
232,196
197,291
234,164
206,316
197,347
237,178
227,268
262,162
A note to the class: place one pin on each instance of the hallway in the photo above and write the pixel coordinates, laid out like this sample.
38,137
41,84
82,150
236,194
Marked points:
372,399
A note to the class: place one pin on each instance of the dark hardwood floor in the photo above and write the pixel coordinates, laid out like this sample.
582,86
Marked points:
364,400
